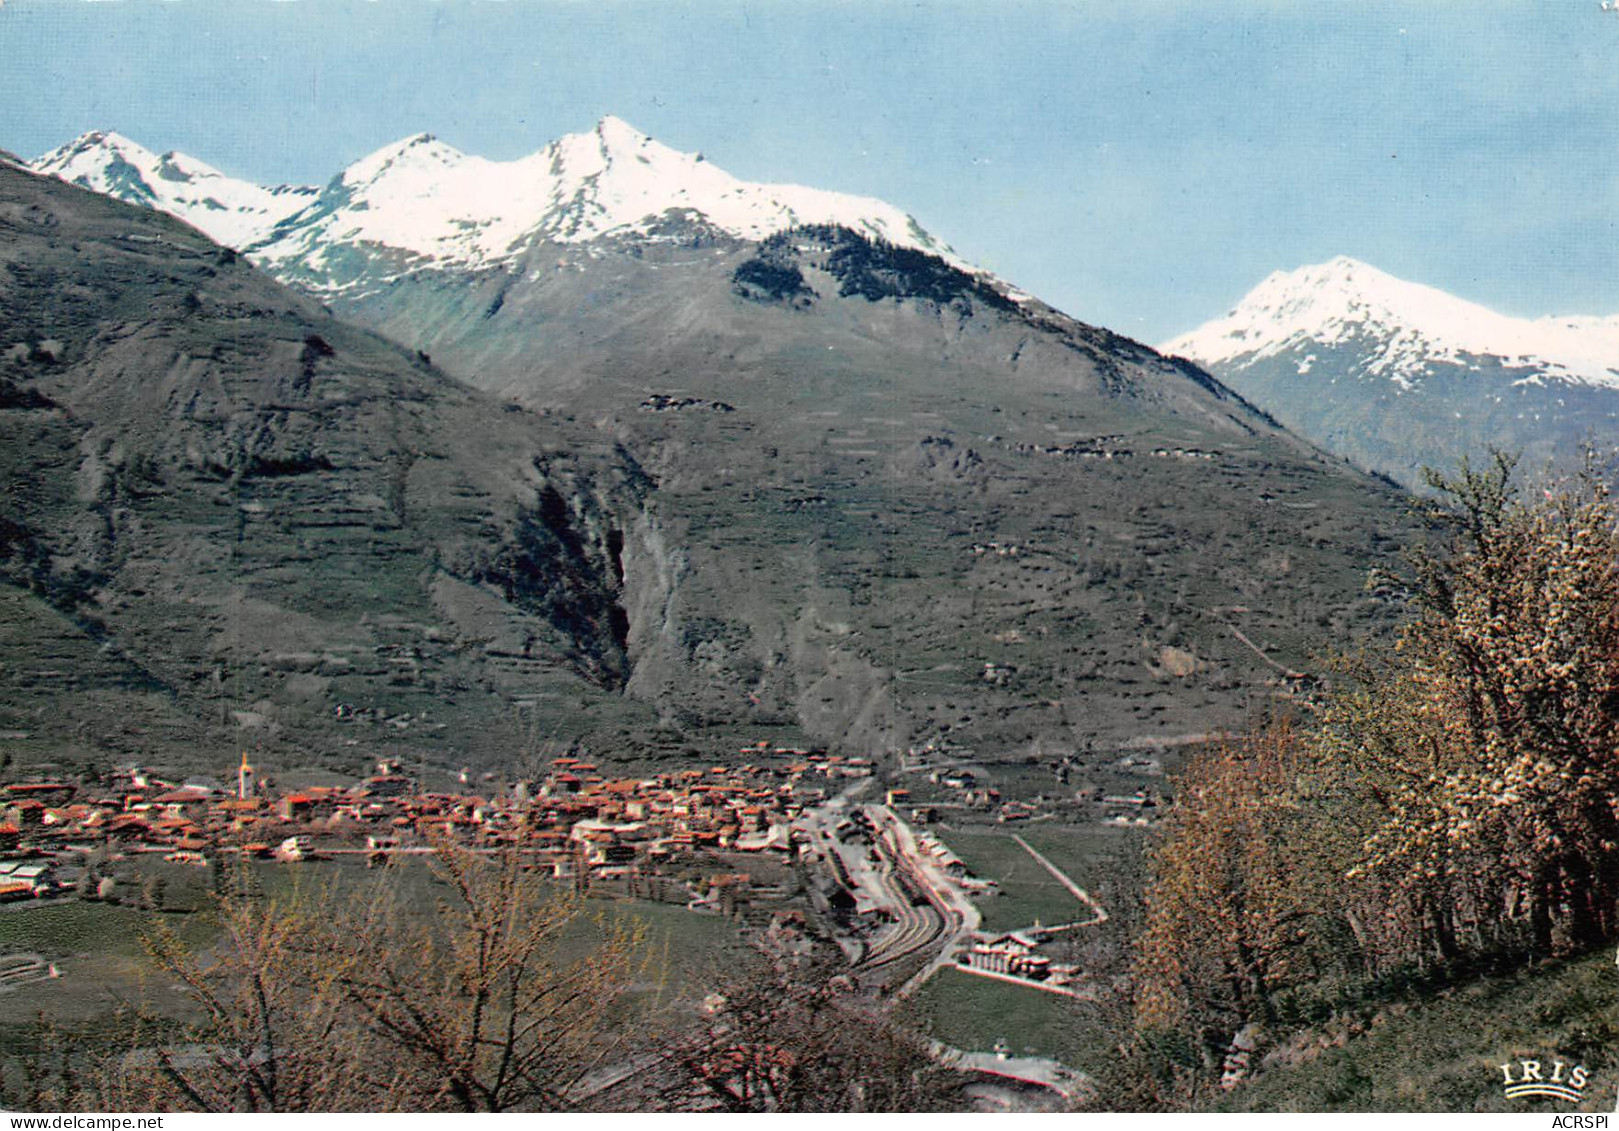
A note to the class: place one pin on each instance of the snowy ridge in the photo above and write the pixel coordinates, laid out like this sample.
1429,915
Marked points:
227,210
422,203
434,205
1403,328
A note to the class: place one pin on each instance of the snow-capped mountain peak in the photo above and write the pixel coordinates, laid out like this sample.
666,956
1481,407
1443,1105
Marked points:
106,162
421,203
1401,329
229,210
428,204
418,155
616,133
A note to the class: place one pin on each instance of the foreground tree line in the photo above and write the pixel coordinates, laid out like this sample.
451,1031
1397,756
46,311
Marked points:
1453,808
503,994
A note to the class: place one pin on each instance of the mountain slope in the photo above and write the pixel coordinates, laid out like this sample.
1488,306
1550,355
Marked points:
233,519
1396,375
910,508
889,501
1441,1051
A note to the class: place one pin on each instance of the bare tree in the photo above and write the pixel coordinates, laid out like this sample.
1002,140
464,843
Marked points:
351,996
272,1032
475,1000
788,1037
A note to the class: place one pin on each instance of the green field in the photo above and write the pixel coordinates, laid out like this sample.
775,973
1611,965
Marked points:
973,1013
1027,892
98,946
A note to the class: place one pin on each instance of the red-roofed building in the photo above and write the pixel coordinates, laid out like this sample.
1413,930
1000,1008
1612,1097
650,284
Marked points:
128,827
180,800
27,813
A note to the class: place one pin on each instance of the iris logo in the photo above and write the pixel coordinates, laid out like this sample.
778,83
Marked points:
1525,1079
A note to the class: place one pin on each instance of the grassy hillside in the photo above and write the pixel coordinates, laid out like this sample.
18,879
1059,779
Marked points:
1440,1052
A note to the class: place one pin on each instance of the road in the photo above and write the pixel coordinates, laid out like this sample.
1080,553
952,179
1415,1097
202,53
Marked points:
1066,1082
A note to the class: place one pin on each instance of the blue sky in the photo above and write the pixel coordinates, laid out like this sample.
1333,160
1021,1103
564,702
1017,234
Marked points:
1138,163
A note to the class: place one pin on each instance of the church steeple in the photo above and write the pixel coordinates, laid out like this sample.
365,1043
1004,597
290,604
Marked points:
244,779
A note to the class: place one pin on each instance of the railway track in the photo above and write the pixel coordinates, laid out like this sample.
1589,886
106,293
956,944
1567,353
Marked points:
919,927
921,921
880,872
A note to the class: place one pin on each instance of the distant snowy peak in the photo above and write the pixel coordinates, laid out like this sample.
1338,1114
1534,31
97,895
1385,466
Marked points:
616,176
428,204
1401,329
421,203
228,210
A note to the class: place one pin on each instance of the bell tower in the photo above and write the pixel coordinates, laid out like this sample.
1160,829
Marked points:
244,779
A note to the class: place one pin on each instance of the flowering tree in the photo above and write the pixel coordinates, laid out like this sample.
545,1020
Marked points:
1492,744
1458,800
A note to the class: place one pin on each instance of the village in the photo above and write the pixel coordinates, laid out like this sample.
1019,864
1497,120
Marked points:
779,835
574,822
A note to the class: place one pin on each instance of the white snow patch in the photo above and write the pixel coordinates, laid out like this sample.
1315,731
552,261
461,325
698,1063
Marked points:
230,211
431,205
1408,327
